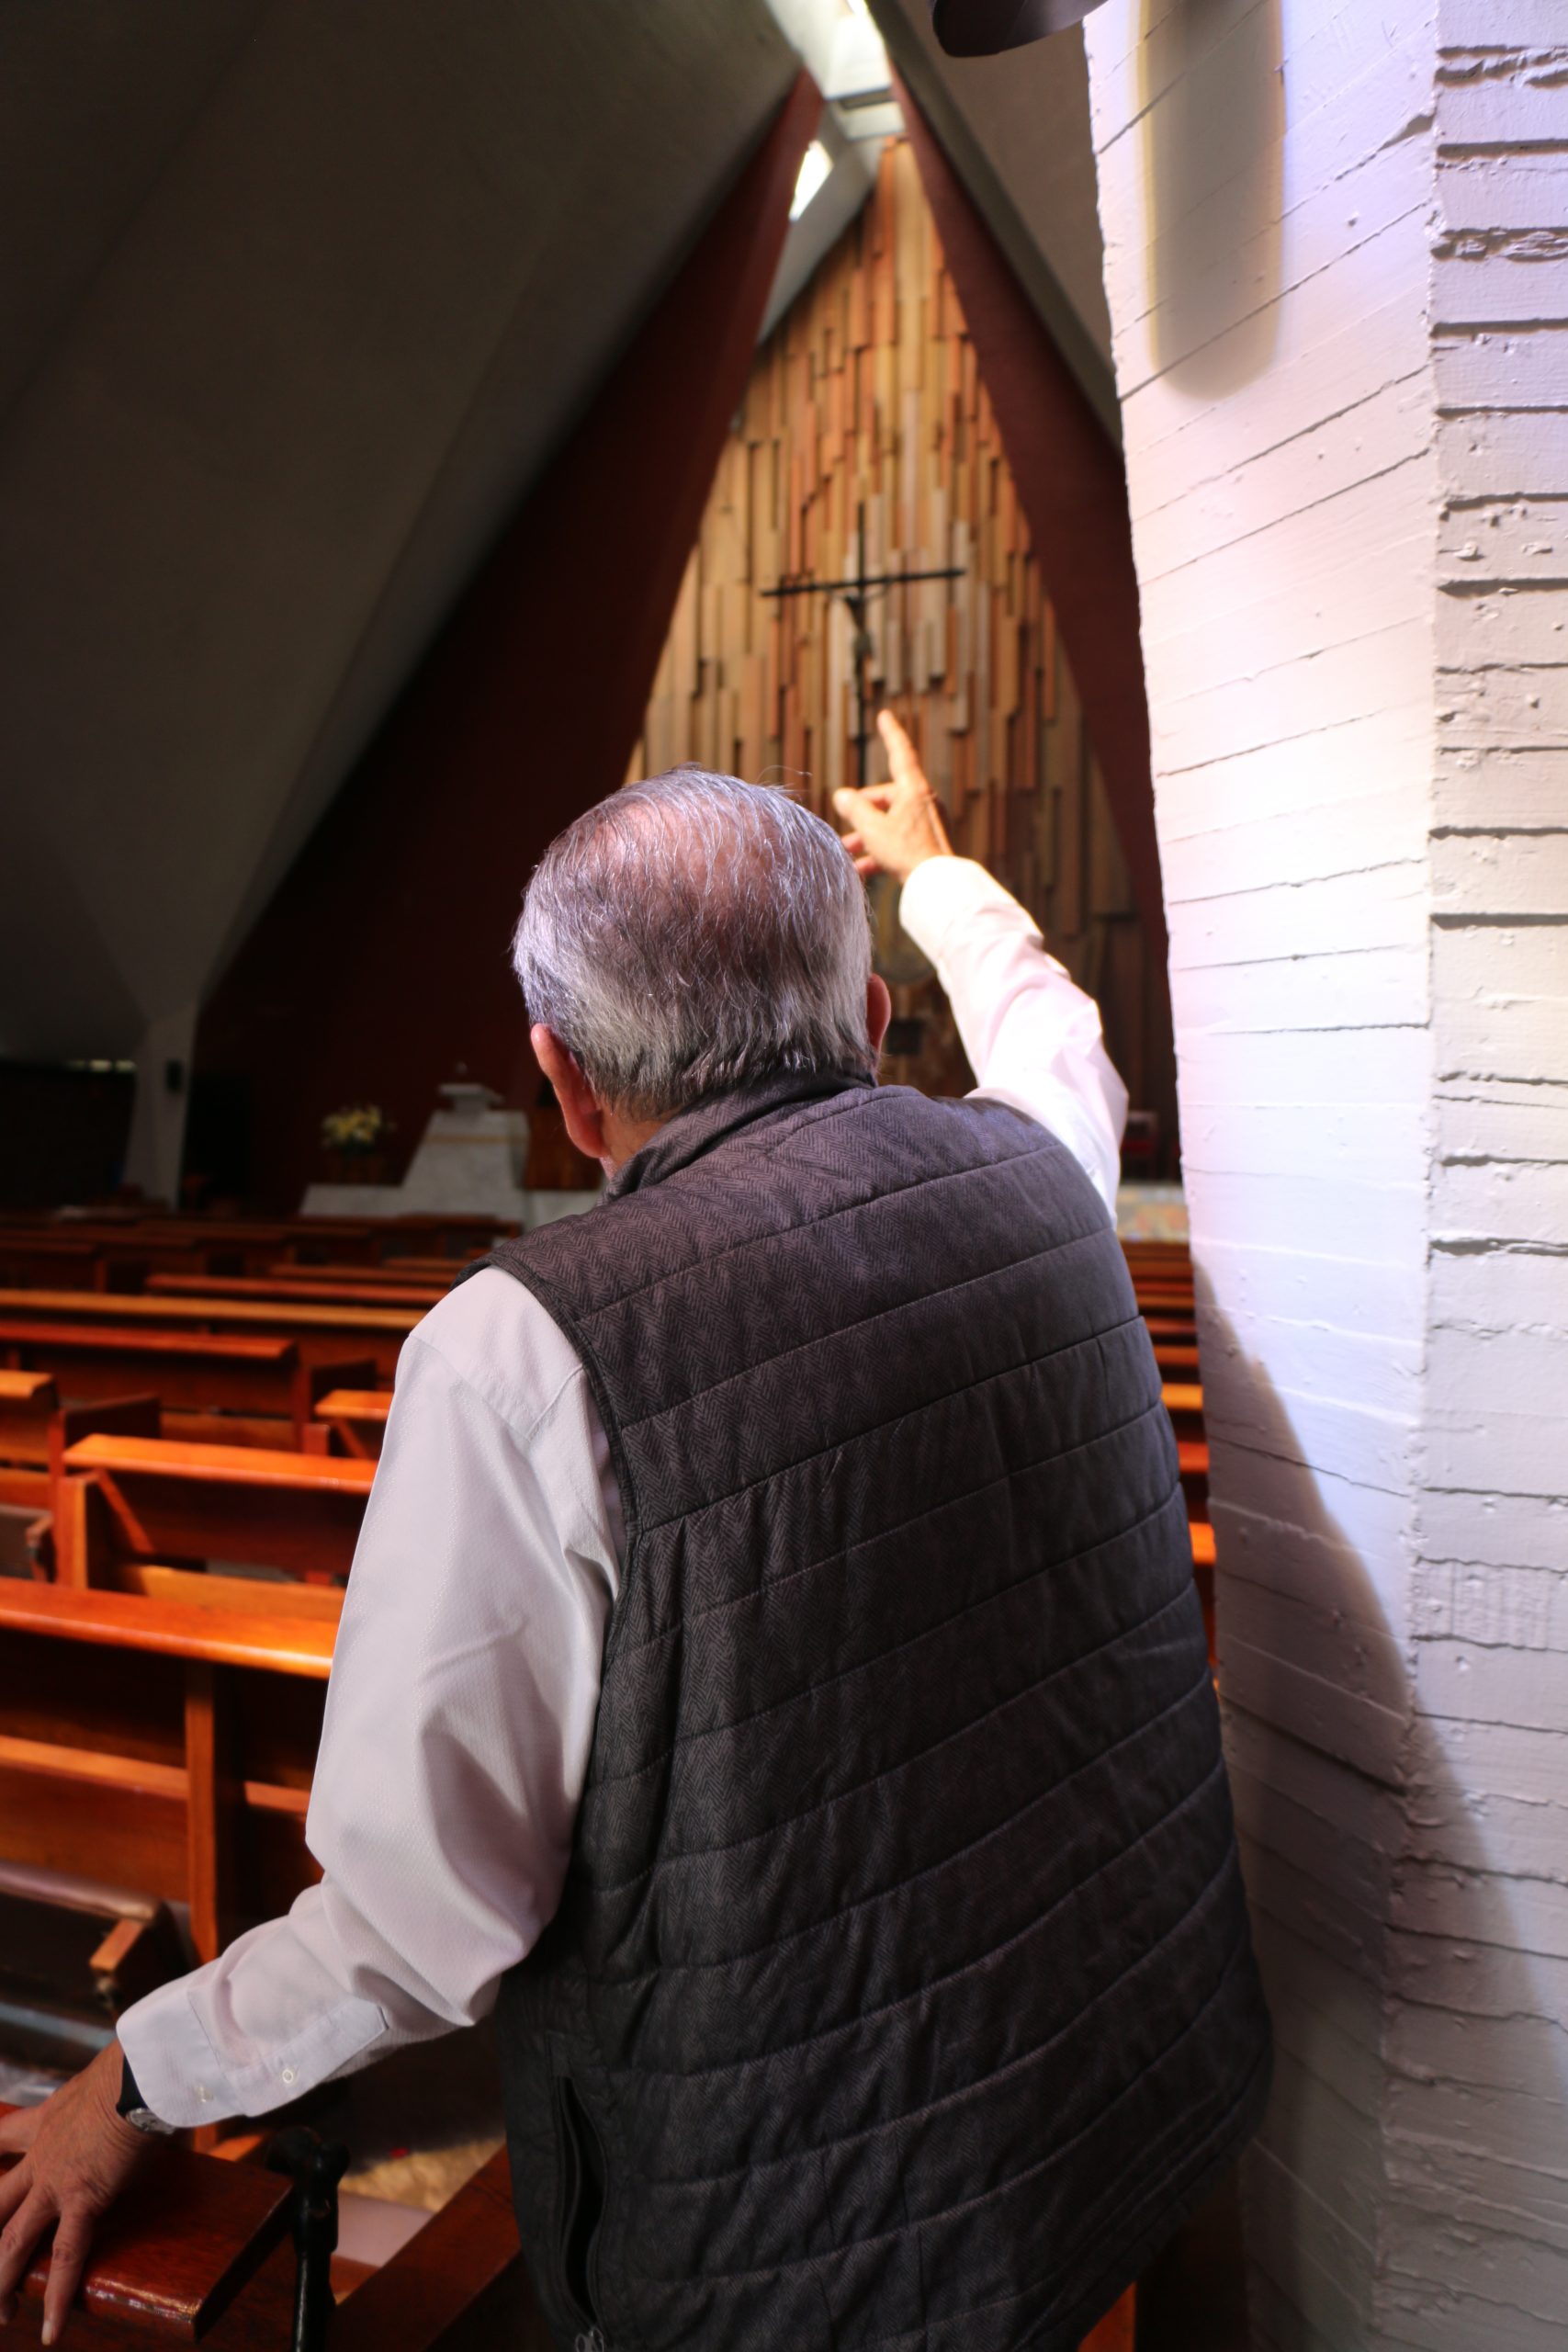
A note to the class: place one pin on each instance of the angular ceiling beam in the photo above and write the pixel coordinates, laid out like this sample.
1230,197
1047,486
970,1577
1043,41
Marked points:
1074,490
381,963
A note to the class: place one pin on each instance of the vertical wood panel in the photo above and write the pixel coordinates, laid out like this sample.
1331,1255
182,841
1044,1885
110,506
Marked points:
868,395
208,1811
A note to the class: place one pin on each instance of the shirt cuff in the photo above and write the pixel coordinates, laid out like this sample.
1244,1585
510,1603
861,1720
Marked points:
192,2068
946,893
176,2070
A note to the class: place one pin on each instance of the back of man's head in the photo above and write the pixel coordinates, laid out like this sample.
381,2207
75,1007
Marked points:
693,934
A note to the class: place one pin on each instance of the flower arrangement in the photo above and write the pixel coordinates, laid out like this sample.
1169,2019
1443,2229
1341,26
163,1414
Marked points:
362,1126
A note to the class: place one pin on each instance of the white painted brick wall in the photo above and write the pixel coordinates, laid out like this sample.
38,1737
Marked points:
1337,267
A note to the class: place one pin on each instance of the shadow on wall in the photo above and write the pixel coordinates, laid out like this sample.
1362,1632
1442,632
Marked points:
1212,94
1419,2068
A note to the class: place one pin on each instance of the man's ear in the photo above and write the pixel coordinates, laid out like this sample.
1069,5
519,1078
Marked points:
578,1104
878,1010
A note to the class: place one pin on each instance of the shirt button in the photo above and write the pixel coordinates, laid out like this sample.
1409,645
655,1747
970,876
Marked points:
202,2092
288,2074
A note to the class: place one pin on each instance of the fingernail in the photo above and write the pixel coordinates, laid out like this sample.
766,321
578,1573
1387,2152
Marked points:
47,2335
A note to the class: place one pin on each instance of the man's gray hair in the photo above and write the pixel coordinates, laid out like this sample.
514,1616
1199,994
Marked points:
692,934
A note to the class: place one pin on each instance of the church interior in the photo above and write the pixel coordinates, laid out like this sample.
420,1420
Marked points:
413,430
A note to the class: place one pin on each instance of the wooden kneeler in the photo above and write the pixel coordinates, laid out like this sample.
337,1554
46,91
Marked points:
203,2252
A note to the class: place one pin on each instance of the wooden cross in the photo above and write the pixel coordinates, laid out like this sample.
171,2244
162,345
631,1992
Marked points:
856,593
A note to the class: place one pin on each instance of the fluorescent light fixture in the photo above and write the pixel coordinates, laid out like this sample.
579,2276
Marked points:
814,166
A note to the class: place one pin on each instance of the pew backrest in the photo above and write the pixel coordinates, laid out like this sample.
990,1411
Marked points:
133,1499
320,1331
226,1387
162,1743
343,1290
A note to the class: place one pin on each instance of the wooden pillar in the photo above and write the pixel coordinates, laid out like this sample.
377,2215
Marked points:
209,1810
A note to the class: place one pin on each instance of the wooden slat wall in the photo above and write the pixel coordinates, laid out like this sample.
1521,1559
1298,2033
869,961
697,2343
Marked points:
867,394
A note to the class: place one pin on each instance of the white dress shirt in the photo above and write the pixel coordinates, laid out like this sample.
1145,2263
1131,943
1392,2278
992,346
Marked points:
466,1678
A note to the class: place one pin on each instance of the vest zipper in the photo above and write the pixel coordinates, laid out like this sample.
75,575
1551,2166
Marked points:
582,2206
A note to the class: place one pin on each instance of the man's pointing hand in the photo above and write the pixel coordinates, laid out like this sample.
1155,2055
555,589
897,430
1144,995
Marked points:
897,826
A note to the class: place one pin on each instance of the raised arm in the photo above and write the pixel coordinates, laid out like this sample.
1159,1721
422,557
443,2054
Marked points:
1033,1038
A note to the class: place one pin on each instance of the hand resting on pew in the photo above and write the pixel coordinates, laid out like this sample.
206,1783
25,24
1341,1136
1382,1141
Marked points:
76,2154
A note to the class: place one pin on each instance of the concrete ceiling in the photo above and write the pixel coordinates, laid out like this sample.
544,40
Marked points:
297,300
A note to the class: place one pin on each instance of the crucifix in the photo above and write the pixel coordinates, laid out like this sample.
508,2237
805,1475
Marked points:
856,593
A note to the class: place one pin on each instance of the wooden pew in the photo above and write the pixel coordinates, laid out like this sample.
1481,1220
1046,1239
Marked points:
126,1505
437,1273
199,2251
29,1403
1183,1400
232,1388
35,1428
162,1743
121,1255
27,1257
353,1421
323,1333
196,2251
429,1233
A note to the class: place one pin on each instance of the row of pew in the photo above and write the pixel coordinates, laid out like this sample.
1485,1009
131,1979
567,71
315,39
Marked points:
188,1432
189,1427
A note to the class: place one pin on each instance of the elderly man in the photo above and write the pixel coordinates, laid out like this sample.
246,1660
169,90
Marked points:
771,1677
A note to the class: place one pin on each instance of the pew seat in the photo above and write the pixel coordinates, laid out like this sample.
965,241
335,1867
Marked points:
354,1420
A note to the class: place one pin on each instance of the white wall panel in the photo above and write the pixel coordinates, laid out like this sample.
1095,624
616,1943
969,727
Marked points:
1350,501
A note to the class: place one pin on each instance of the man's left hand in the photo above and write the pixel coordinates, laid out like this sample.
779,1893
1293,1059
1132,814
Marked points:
76,2154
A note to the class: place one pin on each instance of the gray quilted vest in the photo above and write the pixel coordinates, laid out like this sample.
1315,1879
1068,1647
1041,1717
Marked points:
901,1992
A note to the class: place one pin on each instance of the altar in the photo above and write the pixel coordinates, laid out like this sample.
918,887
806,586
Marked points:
472,1160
